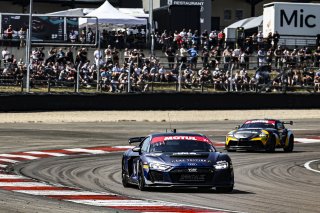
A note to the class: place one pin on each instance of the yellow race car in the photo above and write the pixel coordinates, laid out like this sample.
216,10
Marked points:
260,134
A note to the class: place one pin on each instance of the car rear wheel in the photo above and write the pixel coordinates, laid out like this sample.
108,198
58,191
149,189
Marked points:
271,145
224,189
141,183
290,146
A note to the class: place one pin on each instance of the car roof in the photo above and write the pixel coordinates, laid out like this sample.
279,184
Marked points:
265,119
176,134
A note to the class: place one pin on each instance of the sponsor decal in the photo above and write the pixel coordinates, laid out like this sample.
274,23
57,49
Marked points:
191,160
192,169
261,121
179,138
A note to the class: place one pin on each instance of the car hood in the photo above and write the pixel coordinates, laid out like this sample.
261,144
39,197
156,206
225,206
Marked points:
184,159
246,133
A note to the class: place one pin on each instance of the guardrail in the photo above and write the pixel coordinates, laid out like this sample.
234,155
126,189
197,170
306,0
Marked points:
55,86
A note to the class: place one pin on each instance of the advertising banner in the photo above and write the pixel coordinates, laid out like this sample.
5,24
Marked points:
295,19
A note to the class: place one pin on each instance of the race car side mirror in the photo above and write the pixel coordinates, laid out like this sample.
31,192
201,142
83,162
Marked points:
237,127
136,149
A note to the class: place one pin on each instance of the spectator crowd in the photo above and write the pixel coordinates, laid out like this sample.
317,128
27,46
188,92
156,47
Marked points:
198,58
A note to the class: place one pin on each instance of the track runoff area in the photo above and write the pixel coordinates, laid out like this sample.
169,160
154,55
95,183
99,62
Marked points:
17,183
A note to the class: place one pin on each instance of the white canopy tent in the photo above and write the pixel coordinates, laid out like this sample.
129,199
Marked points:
72,12
248,23
107,14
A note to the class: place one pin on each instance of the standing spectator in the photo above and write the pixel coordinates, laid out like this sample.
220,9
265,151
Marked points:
204,38
235,57
213,39
221,38
9,32
108,55
276,38
183,54
165,40
269,56
189,38
73,36
261,57
196,39
22,37
98,57
317,57
193,53
205,56
277,56
260,39
170,54
269,40
227,54
69,55
5,55
90,36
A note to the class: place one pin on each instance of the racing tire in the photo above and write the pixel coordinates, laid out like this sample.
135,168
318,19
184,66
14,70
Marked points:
141,182
224,189
271,145
290,146
125,179
231,150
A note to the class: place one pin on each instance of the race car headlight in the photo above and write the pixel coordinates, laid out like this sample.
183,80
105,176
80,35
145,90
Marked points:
221,165
263,135
231,134
160,167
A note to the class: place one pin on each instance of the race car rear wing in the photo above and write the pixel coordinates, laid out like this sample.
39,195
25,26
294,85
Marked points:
288,122
136,140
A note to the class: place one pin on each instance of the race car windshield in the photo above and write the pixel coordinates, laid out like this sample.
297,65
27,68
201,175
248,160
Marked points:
181,146
258,125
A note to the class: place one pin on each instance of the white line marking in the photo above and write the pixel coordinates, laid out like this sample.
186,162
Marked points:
11,177
46,153
60,192
8,160
123,203
307,140
23,184
124,147
307,166
19,156
86,151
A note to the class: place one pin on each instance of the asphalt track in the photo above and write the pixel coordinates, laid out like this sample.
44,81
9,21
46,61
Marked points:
265,182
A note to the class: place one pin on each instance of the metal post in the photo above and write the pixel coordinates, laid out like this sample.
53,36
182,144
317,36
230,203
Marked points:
180,77
29,44
78,77
98,64
231,79
129,76
151,31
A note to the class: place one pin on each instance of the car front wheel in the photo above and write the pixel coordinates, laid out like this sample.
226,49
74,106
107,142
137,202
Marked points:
124,179
141,183
271,145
